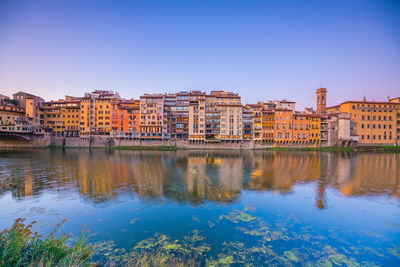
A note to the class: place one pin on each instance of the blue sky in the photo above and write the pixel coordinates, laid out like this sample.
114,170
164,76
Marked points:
261,49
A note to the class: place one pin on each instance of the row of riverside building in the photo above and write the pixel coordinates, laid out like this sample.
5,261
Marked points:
201,117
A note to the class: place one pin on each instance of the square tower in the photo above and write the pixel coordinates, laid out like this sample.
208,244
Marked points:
321,100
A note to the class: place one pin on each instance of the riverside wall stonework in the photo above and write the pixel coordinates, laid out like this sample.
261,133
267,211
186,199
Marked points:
106,141
29,142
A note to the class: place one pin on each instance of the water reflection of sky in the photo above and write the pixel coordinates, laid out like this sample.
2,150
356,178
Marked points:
128,196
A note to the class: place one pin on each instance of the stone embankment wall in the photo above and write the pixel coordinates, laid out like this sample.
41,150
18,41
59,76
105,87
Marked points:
105,141
24,142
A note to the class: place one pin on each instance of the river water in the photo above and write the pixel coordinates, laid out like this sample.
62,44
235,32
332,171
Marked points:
212,207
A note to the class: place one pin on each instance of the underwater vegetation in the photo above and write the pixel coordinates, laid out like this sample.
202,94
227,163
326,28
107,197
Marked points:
284,242
158,250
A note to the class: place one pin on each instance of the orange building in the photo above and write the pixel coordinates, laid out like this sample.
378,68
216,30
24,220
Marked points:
397,100
283,126
376,121
301,127
125,118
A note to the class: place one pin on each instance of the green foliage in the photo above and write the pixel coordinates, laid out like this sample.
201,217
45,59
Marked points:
19,246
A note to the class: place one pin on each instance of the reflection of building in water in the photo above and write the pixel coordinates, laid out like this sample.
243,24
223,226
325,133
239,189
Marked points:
149,176
230,174
188,176
121,172
373,174
28,181
281,171
213,177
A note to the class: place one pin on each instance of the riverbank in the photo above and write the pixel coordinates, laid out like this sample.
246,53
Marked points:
394,149
105,142
339,149
158,148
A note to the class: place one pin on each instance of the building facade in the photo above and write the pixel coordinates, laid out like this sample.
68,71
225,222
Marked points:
152,116
376,121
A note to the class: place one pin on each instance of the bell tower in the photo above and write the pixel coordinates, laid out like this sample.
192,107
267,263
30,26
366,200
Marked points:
321,100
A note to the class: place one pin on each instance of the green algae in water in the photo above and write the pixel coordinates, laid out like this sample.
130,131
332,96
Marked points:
291,256
224,260
268,246
156,250
134,220
394,251
237,216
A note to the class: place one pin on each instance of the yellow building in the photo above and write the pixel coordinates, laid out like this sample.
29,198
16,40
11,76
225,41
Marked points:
315,129
95,111
61,117
10,113
376,121
268,119
12,119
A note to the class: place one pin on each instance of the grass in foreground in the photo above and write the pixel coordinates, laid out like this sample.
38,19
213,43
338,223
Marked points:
19,246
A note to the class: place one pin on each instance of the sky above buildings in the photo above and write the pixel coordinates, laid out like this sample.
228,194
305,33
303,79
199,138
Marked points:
261,49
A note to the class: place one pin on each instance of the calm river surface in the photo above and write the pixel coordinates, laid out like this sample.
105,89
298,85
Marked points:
213,207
